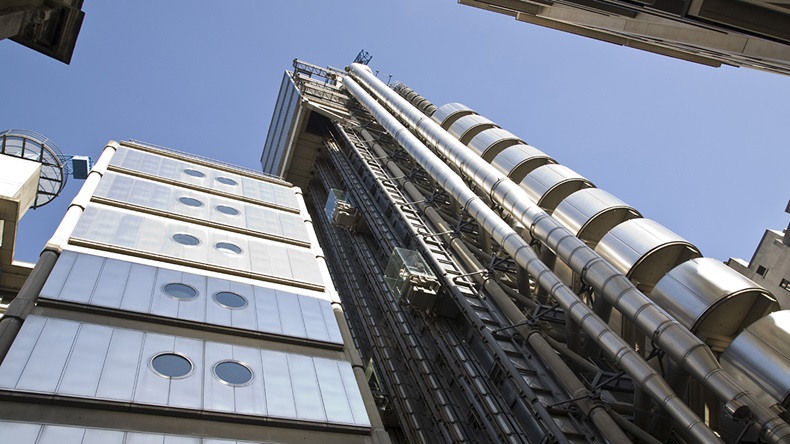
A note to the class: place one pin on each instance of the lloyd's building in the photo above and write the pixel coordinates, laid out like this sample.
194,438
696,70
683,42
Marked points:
467,288
181,300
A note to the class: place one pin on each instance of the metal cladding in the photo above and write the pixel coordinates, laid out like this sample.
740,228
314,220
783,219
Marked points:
760,358
84,360
491,142
467,127
183,288
447,114
641,372
548,185
644,250
419,101
677,342
590,213
516,161
711,299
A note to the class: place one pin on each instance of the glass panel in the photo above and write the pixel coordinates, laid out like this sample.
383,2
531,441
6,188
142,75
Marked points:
233,373
226,181
229,299
185,239
228,248
190,202
224,209
181,291
194,173
171,365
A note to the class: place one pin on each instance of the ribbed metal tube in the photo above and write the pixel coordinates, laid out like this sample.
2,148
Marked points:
679,344
639,370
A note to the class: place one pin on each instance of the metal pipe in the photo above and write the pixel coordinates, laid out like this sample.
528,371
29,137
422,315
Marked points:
639,370
594,410
679,344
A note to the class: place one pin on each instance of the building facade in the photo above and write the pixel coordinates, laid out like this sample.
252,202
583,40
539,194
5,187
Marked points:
753,34
498,296
181,300
770,264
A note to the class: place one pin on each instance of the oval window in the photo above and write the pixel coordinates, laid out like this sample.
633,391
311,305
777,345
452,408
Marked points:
226,180
186,239
190,201
194,173
228,299
233,373
230,211
228,248
177,290
171,365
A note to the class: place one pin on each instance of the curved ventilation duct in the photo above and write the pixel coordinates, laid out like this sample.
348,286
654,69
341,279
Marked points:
642,374
644,251
712,300
591,213
759,358
467,127
492,141
419,101
517,161
548,185
671,250
447,114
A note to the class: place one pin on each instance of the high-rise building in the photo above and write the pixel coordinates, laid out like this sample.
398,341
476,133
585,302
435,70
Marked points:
181,300
770,264
498,296
50,27
753,33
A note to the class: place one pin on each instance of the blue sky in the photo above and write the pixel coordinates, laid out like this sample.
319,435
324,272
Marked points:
703,151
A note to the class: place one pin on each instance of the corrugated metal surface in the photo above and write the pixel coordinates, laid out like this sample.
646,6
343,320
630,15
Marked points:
62,357
202,206
204,177
134,231
111,283
33,433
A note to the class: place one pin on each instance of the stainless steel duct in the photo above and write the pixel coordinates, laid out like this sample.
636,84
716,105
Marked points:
640,371
677,342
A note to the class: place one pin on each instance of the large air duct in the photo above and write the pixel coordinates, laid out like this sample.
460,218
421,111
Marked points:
640,371
676,341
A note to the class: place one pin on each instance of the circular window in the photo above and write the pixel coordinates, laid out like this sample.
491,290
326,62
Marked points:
194,173
190,201
230,211
171,365
228,248
186,239
229,299
233,373
226,180
177,290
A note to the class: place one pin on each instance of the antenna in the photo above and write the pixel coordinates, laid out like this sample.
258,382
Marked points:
363,57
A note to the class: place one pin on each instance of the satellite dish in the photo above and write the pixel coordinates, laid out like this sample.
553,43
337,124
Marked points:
32,146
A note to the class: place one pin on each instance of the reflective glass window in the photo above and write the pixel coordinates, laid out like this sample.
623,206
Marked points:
190,201
228,248
177,290
171,365
194,173
226,180
229,299
224,209
185,239
233,373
